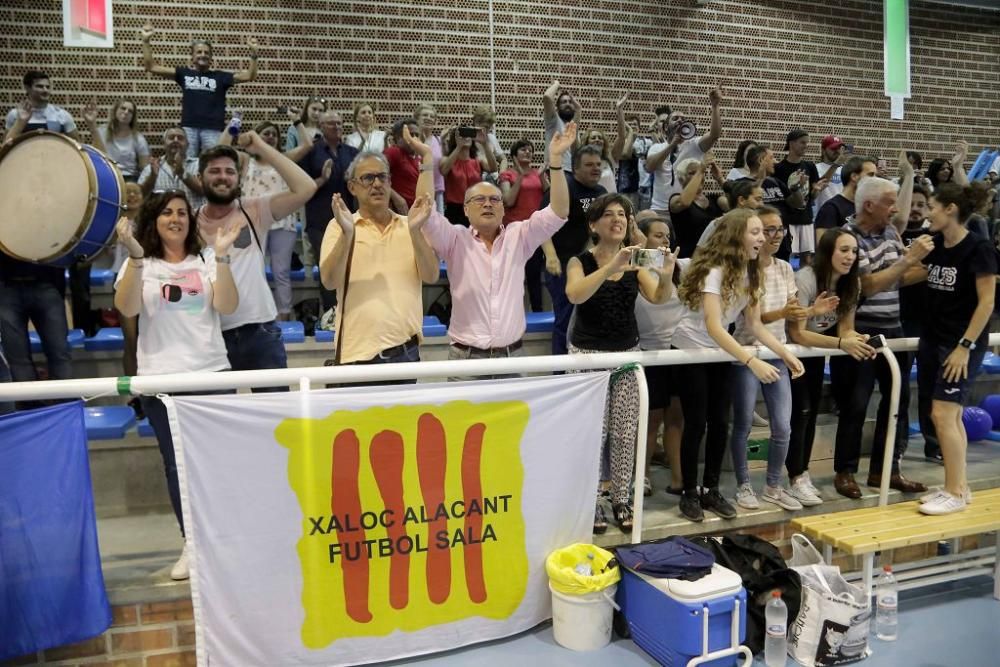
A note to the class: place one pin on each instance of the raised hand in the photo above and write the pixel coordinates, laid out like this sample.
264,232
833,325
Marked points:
903,166
226,237
715,98
419,212
154,166
415,144
24,111
825,303
248,140
961,150
252,43
146,32
563,141
90,113
620,103
327,170
343,215
123,229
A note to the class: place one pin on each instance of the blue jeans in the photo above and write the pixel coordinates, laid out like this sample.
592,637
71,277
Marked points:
43,305
254,347
778,397
410,353
561,307
6,407
200,139
280,245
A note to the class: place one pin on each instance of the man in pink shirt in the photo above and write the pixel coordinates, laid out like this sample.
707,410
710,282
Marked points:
486,260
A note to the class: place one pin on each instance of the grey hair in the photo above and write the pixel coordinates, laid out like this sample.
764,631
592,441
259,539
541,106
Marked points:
465,197
361,157
871,188
681,169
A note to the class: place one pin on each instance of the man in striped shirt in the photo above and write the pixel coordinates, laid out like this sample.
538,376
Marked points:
884,265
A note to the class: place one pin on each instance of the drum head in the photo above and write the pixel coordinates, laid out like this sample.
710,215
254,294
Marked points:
45,185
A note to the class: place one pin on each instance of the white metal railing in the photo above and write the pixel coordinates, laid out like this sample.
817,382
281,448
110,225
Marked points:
305,378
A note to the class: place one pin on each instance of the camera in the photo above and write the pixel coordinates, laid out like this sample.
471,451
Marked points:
646,258
468,132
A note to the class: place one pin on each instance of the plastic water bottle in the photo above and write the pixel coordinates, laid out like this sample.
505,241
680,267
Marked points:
585,567
236,124
776,640
886,601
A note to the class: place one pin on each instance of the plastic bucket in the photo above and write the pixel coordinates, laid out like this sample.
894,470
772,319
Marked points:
583,622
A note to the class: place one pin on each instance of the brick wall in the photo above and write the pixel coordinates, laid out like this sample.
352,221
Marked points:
783,63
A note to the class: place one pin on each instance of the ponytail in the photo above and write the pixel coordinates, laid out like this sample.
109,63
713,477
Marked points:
968,199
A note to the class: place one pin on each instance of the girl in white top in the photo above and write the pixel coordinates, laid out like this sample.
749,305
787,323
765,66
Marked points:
178,291
722,281
739,169
366,136
119,139
609,165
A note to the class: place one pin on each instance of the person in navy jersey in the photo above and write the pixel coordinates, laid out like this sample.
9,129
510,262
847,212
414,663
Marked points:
961,276
203,100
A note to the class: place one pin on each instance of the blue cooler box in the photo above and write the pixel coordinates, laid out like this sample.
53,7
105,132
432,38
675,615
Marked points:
667,617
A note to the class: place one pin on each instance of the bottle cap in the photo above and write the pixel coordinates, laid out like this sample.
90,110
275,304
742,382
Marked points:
887,568
776,593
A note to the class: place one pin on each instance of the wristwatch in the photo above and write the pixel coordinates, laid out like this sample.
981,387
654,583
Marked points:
967,344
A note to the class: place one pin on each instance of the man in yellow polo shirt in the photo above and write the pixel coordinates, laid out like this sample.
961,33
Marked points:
376,260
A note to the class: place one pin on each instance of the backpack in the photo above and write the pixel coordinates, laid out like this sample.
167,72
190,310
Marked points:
760,565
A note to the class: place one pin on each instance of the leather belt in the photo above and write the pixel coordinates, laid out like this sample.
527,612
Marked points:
398,349
513,347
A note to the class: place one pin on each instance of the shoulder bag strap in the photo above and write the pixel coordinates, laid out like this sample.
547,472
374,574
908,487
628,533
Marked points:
342,301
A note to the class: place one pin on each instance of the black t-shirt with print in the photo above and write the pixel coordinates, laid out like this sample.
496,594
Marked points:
690,224
203,100
782,172
912,298
572,238
951,286
834,213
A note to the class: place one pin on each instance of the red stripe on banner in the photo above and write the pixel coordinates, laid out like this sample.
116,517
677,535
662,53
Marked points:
386,454
432,455
472,488
345,501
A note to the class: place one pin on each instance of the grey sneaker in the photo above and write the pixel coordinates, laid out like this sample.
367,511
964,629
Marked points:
780,497
759,421
746,497
804,492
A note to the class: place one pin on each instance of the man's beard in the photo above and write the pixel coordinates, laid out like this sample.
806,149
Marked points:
215,198
566,114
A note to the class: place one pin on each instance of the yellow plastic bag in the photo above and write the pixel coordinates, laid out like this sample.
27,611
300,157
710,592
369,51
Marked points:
561,563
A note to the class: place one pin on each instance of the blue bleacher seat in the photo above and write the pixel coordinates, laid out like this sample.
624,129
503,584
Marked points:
297,275
108,422
324,336
991,364
144,429
74,338
433,327
292,332
540,322
108,338
101,277
444,271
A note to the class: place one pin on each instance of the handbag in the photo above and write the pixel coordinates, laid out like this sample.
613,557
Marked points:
832,625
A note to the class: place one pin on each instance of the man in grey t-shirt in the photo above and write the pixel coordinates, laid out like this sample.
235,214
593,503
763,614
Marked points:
558,108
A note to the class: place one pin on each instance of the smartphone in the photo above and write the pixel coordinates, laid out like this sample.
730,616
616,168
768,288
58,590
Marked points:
468,132
646,258
877,342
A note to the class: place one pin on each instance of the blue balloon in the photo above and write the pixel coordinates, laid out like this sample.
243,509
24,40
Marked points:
992,405
978,423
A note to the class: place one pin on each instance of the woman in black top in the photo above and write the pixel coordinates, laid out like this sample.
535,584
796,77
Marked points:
604,285
961,276
690,209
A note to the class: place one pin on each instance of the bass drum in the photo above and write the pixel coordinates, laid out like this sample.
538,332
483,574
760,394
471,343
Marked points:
61,199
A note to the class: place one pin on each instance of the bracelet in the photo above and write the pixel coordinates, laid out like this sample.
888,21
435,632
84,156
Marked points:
747,362
223,259
555,167
838,342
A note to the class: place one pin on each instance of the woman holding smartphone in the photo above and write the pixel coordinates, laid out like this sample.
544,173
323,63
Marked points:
961,278
830,290
722,281
604,282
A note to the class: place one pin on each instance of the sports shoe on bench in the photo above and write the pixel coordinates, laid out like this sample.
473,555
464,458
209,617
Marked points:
713,501
933,495
945,503
804,492
780,497
746,497
691,506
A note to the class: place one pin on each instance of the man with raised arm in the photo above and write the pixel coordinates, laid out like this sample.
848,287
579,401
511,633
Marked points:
203,99
559,107
486,260
376,260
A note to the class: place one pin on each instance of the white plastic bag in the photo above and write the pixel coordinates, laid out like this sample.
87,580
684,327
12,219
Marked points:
833,623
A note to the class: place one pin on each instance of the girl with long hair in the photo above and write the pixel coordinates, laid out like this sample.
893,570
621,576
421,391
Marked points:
722,281
119,138
305,120
961,277
604,285
829,290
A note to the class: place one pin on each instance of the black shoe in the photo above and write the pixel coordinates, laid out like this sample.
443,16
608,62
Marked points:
713,501
934,457
600,519
691,507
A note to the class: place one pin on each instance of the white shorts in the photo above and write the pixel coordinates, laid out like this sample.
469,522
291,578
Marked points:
803,238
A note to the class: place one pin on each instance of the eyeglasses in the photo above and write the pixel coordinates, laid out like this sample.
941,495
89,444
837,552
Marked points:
480,200
368,180
774,231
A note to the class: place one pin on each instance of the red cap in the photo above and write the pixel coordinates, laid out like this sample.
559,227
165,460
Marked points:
831,142
776,593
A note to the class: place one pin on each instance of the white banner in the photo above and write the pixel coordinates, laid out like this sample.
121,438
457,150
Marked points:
359,525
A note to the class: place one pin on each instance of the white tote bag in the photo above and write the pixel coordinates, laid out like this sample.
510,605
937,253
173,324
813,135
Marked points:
833,623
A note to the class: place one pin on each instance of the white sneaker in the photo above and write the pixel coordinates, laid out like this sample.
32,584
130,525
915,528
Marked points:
944,503
780,497
759,421
180,570
746,497
808,481
934,495
804,492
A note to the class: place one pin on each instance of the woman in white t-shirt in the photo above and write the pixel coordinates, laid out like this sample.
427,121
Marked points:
366,136
609,165
721,282
178,291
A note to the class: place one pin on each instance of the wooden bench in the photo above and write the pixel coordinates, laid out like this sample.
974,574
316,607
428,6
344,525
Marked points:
864,532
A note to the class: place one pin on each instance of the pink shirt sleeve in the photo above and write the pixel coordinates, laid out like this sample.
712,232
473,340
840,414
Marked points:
537,229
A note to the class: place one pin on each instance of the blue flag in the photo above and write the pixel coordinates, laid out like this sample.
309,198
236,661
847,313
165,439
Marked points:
51,585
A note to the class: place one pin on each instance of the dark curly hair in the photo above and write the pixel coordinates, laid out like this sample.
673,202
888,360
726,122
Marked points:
145,224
